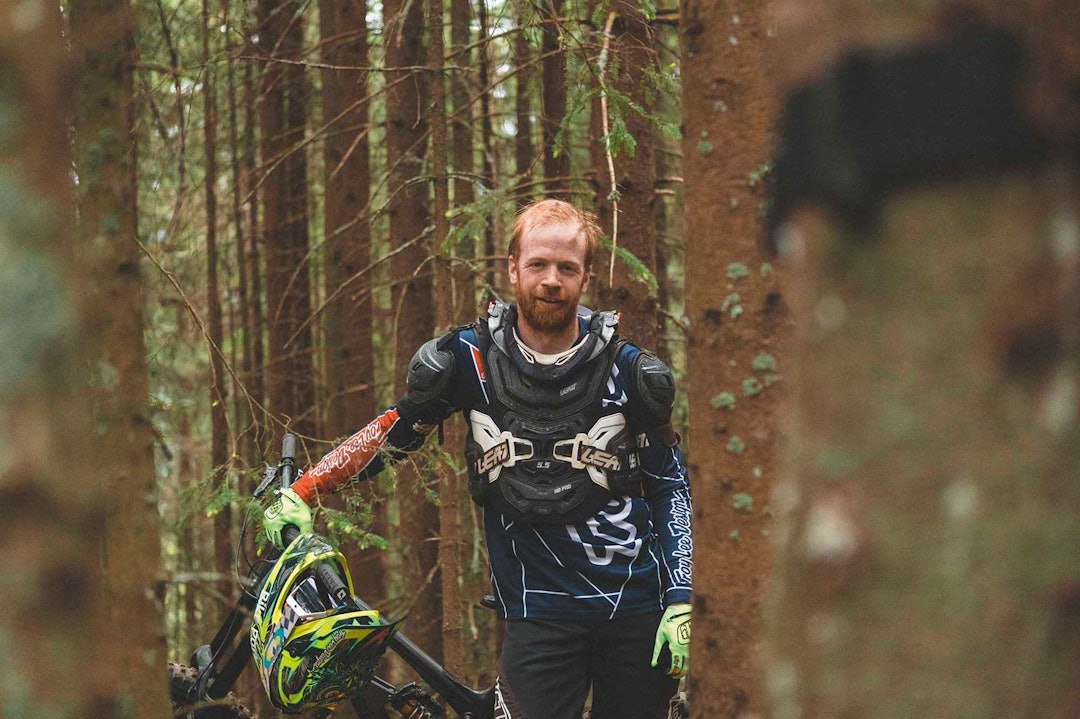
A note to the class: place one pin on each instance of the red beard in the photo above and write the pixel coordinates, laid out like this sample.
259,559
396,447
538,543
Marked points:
545,316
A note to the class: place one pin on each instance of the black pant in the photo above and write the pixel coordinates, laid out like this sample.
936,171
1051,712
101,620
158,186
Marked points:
547,667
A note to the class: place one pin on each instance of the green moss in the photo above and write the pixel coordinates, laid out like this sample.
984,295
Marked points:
751,386
743,502
724,400
764,362
737,271
735,445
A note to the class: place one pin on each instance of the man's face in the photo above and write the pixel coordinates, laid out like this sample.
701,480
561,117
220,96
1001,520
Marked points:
549,275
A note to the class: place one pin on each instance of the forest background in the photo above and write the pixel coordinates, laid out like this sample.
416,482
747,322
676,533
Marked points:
222,221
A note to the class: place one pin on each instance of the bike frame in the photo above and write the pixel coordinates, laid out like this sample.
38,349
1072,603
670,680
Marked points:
221,662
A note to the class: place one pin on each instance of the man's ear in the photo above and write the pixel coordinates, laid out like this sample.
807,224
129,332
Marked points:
585,283
511,270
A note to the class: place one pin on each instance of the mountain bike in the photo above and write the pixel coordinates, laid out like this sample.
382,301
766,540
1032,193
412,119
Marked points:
307,585
315,643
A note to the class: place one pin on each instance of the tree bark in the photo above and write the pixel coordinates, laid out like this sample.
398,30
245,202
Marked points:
412,299
347,317
735,356
553,63
630,60
449,550
282,118
122,458
524,153
926,564
219,420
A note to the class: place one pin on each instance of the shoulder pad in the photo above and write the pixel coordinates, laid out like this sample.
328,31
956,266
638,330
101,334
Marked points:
430,370
655,385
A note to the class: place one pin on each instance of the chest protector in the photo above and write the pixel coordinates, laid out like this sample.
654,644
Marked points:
545,448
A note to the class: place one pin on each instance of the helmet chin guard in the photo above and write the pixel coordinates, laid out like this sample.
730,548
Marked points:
311,650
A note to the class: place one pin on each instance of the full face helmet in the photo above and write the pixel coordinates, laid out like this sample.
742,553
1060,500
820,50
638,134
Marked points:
312,651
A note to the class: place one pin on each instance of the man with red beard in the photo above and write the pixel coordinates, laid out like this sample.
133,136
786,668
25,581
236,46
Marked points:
572,455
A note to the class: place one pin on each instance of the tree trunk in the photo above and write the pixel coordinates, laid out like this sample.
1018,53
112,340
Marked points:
524,156
122,458
347,316
243,330
494,274
629,61
219,421
734,347
407,110
929,509
449,550
553,63
290,383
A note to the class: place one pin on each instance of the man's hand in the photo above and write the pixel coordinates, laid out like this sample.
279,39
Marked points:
674,630
288,508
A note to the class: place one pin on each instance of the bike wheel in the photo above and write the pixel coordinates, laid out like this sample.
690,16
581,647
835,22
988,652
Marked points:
182,679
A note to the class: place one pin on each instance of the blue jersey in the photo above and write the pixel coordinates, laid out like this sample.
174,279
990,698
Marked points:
633,556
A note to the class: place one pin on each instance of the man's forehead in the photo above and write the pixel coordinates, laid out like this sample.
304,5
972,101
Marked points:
544,234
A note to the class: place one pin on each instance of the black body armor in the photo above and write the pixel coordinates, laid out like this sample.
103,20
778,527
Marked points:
545,449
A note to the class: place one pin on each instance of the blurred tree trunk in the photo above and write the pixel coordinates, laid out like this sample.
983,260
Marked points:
51,502
122,456
927,565
412,298
283,117
553,64
737,321
629,65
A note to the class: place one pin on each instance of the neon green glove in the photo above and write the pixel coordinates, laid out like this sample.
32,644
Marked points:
674,630
287,509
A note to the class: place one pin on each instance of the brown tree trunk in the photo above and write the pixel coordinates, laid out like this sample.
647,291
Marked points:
412,301
524,153
243,330
449,549
734,350
282,119
493,275
632,287
122,456
553,63
347,316
219,421
926,565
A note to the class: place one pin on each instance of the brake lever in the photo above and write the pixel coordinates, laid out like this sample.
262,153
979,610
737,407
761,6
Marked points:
269,475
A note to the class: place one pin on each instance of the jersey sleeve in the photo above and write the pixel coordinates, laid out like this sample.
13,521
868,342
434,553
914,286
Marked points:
665,485
388,438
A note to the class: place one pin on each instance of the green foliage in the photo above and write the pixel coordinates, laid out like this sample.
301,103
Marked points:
735,445
751,386
766,269
638,270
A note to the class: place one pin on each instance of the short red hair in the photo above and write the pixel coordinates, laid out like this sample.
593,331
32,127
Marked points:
554,212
